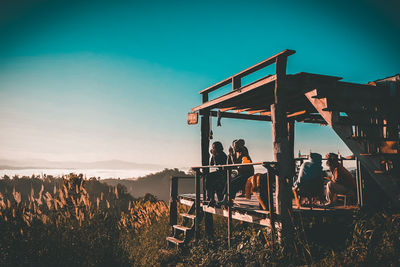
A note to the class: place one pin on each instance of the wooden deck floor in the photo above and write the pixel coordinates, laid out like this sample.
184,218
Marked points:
248,210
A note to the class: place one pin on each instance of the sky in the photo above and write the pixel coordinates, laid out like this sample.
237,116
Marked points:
101,80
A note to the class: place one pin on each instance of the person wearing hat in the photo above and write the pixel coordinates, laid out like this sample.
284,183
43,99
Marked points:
310,181
236,152
341,182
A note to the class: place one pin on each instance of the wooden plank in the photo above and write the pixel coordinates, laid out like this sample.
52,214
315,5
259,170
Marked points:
226,109
174,240
230,166
248,71
249,208
297,113
240,116
241,216
255,111
245,89
186,202
240,110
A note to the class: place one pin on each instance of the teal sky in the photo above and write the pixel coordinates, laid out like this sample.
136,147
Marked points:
106,80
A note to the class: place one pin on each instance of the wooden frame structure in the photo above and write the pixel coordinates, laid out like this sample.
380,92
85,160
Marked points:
365,116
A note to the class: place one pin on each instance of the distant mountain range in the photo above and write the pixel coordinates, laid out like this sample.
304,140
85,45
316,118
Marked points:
46,164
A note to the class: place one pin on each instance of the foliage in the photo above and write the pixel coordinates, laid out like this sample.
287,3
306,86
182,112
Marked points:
66,224
375,241
79,222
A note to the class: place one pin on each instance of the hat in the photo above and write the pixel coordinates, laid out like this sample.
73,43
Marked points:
315,157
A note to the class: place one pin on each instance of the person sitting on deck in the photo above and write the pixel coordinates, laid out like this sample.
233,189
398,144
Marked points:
215,181
258,183
239,182
237,145
310,181
341,182
234,156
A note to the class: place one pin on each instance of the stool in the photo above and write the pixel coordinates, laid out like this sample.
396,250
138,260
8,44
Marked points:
344,197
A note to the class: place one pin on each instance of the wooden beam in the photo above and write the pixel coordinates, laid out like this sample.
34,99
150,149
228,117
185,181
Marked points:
245,89
297,114
248,71
240,110
256,111
226,109
240,116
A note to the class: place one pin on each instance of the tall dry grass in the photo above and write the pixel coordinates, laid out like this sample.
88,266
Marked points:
68,227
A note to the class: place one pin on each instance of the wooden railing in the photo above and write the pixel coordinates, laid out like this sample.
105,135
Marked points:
236,79
173,198
228,168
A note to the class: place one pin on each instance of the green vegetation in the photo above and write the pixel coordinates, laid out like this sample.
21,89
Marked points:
78,222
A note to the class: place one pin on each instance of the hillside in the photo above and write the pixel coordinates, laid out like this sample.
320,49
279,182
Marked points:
157,184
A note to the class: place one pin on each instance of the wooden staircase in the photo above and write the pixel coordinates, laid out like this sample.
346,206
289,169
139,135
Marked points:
181,234
367,120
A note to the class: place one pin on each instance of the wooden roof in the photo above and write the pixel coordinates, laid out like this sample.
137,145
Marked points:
252,101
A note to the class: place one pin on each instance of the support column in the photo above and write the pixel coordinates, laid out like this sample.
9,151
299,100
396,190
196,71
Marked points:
205,160
291,128
283,154
173,200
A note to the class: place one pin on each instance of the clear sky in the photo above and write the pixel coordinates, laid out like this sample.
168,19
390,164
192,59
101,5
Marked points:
99,80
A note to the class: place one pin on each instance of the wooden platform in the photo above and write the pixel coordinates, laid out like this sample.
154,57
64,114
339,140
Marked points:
248,210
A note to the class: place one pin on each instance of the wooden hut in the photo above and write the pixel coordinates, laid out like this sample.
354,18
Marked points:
365,116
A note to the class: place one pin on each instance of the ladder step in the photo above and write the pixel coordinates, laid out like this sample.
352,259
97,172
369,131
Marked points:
182,228
189,216
174,240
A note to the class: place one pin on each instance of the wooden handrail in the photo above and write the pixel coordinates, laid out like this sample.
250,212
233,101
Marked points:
173,198
229,166
243,73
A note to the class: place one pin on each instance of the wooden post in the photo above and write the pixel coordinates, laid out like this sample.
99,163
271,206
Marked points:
359,183
173,199
236,82
197,204
282,154
291,125
205,159
228,189
271,205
